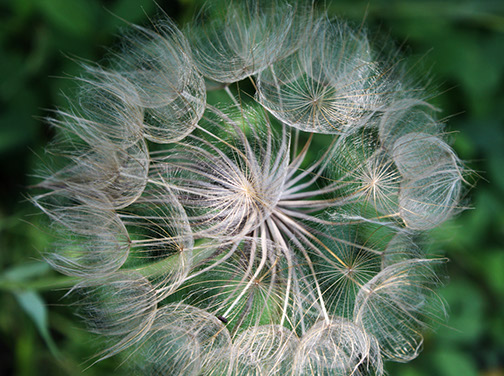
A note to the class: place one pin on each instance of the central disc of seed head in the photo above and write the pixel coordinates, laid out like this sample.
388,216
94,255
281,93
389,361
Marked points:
253,194
230,177
257,199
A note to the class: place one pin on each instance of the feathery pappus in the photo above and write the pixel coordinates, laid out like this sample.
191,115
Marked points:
269,230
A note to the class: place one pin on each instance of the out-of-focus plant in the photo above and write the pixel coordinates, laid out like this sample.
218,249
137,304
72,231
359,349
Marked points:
217,237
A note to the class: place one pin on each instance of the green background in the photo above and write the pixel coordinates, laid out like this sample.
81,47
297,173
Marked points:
458,47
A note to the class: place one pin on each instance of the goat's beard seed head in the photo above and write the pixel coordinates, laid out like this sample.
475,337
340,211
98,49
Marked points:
276,236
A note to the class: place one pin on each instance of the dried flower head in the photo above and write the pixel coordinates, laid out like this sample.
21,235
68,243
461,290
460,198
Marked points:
255,237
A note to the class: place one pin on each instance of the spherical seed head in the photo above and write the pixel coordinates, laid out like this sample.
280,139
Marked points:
212,239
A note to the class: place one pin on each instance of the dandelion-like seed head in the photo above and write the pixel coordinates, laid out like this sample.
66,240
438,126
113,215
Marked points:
271,232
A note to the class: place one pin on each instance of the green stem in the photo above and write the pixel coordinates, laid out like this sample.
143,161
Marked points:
64,282
41,284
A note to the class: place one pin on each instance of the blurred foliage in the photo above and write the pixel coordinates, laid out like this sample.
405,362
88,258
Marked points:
459,45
